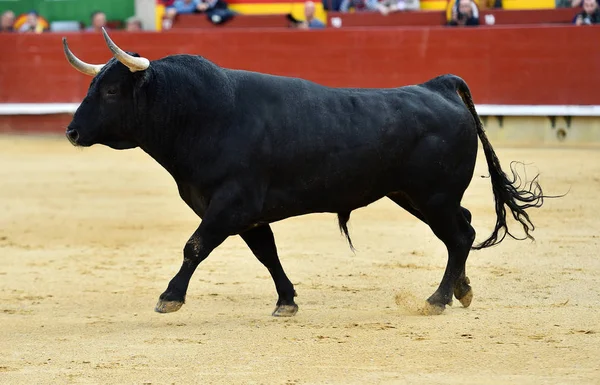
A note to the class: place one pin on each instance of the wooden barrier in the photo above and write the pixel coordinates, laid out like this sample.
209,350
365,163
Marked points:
376,19
533,16
502,65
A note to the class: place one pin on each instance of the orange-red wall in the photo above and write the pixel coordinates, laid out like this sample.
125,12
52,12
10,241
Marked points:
502,65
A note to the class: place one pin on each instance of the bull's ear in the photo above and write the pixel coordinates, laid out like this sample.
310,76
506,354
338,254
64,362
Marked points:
141,78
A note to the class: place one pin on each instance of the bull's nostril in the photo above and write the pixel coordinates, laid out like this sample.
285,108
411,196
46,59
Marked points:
73,135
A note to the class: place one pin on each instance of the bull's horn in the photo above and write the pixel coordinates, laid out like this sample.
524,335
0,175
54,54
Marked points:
88,69
133,63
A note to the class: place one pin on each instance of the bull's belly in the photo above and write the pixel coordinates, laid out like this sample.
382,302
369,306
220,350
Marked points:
280,204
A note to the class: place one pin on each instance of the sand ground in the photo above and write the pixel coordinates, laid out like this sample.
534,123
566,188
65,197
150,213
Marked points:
90,238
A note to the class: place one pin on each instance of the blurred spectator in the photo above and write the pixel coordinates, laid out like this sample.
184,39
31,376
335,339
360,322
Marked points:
464,12
133,24
571,3
170,13
332,5
310,22
590,14
188,6
363,6
7,21
401,5
33,23
217,11
98,20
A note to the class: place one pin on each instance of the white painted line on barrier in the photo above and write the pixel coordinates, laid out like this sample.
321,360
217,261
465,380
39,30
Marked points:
37,108
533,110
482,109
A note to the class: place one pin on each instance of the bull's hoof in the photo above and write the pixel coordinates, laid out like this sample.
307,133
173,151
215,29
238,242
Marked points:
285,310
432,308
167,306
463,292
467,298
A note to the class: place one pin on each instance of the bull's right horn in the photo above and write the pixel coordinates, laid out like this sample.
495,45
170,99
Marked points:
85,68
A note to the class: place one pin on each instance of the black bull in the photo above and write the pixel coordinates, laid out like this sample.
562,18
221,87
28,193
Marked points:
248,149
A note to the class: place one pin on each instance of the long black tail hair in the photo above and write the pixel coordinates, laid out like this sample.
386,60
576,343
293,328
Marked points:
515,193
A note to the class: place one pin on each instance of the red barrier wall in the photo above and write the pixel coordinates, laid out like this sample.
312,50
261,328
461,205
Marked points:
502,65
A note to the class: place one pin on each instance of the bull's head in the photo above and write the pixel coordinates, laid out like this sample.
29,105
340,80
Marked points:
107,113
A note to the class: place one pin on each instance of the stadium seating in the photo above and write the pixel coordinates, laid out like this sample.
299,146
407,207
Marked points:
431,18
240,21
271,14
374,19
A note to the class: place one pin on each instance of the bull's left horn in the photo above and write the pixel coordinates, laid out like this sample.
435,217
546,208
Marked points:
133,63
81,66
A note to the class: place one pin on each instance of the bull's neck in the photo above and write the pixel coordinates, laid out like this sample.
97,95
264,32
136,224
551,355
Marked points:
177,126
183,153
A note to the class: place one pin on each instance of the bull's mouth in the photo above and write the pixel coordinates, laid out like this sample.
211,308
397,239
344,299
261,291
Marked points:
74,138
119,144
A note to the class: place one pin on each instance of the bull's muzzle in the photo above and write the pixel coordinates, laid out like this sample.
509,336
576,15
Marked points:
73,136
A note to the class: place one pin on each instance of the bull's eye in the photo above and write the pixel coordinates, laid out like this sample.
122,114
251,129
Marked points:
111,91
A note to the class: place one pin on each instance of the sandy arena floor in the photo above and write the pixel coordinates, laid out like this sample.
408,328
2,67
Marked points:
90,238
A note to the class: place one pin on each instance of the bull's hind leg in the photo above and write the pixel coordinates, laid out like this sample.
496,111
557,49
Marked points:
401,200
450,224
462,289
262,243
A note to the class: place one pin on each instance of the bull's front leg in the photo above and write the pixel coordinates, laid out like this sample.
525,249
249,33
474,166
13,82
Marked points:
197,248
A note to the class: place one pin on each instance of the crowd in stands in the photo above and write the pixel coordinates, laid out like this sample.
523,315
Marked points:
217,11
461,13
32,22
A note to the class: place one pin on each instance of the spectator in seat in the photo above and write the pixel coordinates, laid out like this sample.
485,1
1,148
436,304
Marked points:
384,7
98,20
133,24
401,5
332,5
7,21
590,14
32,24
187,6
571,3
217,11
170,13
464,13
363,6
310,22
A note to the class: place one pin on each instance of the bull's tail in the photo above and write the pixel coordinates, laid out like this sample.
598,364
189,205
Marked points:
515,193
